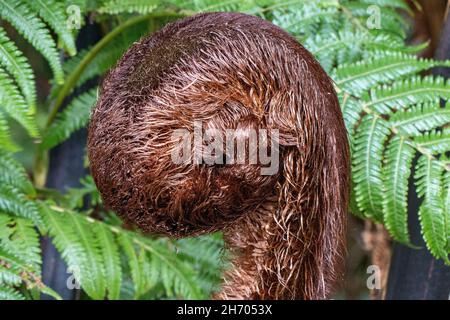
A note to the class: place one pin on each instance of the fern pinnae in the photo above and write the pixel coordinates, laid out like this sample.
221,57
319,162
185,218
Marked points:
434,142
13,173
73,117
101,63
397,4
34,30
221,5
351,110
15,106
392,20
431,212
52,12
207,263
183,283
111,260
6,142
133,261
397,169
17,65
7,293
9,273
23,240
28,275
67,241
16,203
421,118
367,165
446,201
9,278
309,14
383,67
150,271
129,6
29,242
327,47
176,276
408,92
12,261
93,256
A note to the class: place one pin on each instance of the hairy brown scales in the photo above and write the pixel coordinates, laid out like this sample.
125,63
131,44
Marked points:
286,232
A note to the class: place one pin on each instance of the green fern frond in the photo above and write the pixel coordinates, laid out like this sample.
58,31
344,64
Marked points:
328,46
212,5
27,273
367,165
421,118
398,160
33,29
145,256
9,259
74,198
152,279
111,259
408,92
82,4
15,106
431,213
19,236
13,173
211,247
390,44
10,294
134,264
398,4
73,117
446,201
184,282
9,278
105,59
381,68
304,18
129,6
102,62
435,141
17,65
74,240
390,19
53,13
351,110
6,142
92,257
14,202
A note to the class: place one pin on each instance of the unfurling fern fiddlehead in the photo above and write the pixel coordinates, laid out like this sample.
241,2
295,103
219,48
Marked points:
285,229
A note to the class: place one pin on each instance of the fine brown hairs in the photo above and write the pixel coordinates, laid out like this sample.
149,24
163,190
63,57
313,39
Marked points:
285,232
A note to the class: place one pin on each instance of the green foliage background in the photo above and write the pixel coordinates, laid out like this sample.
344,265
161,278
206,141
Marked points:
392,112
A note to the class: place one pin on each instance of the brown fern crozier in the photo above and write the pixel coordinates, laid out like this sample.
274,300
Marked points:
285,232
